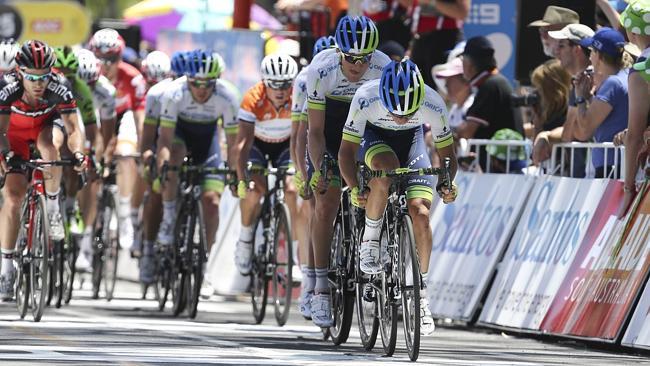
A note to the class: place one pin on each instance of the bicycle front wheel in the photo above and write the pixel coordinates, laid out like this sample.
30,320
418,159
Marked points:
179,267
111,247
39,270
196,257
59,269
340,296
282,264
410,283
387,306
258,275
163,275
69,270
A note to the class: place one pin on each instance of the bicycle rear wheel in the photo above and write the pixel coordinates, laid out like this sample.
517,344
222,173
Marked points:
111,247
59,265
366,314
410,283
258,275
340,295
69,270
282,264
386,282
197,244
39,270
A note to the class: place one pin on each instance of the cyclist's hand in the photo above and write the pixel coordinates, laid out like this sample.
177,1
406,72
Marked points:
318,183
4,158
156,187
242,187
80,161
147,158
358,198
447,194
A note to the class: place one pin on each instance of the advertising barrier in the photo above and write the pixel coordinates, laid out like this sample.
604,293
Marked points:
57,23
469,237
541,251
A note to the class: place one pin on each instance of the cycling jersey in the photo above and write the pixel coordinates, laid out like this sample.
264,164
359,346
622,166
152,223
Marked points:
271,124
26,121
299,96
131,88
84,97
196,124
104,98
153,100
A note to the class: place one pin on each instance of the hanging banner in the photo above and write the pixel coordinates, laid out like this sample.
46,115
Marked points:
541,251
56,23
469,237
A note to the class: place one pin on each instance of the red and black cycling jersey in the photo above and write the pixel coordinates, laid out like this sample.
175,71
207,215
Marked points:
58,97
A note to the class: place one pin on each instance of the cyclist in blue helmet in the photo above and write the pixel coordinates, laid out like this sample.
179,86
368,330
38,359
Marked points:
323,43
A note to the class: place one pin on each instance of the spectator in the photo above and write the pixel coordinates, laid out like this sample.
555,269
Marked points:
392,49
552,84
500,155
459,92
555,18
604,114
637,25
492,108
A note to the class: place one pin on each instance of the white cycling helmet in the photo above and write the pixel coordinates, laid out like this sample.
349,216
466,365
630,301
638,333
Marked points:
279,67
156,66
89,68
8,50
106,41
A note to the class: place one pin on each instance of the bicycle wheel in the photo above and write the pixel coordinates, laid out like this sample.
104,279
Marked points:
387,305
366,311
69,270
163,276
410,286
179,273
52,274
282,264
196,258
59,265
22,269
39,270
111,247
258,275
340,296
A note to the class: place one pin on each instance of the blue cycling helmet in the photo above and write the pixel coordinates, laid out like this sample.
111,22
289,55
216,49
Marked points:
401,87
178,61
356,35
323,43
203,64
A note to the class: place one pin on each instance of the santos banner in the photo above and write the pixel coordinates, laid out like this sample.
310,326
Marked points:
469,237
543,247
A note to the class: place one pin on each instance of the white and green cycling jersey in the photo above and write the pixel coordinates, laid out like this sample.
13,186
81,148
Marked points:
104,98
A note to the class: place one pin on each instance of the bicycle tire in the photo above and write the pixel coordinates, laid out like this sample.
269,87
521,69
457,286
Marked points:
163,276
196,257
282,264
39,266
22,269
387,307
71,253
59,264
53,274
179,292
111,248
259,278
340,298
99,246
410,270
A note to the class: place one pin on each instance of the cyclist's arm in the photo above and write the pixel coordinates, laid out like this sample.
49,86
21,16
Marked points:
4,127
75,138
231,142
301,146
347,162
449,152
245,137
165,139
316,135
168,120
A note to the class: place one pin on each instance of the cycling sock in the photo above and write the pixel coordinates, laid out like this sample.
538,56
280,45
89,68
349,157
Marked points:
135,213
124,207
7,261
169,210
52,201
322,285
309,275
373,229
246,234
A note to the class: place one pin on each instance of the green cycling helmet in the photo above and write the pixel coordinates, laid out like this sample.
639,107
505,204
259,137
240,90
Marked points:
66,59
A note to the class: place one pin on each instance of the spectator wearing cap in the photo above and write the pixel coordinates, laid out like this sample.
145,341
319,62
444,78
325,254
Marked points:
458,89
555,18
604,114
507,159
636,21
492,109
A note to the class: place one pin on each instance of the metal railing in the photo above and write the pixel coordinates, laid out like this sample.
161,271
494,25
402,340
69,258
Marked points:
511,151
561,151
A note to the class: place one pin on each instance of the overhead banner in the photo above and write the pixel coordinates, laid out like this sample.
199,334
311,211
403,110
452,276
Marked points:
56,23
469,237
541,251
241,50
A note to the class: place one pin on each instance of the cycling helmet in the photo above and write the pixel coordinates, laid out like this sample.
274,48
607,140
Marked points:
65,58
106,41
89,68
8,50
202,64
35,54
356,35
401,87
178,62
279,67
156,66
323,43
220,62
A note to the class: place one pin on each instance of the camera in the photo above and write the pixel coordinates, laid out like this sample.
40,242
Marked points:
527,100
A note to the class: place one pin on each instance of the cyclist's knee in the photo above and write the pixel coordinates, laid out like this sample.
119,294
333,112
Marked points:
326,208
419,209
211,200
13,194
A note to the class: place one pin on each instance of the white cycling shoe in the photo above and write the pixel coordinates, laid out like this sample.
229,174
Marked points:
321,310
370,258
427,325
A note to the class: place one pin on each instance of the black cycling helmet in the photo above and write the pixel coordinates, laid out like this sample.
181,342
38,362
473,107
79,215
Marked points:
35,54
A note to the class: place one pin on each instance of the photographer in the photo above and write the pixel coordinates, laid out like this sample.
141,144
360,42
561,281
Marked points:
605,113
549,102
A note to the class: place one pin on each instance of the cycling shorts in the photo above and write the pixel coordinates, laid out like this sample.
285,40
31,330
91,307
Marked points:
278,154
22,136
202,144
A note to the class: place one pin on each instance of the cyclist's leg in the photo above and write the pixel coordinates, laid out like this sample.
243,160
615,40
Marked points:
48,151
213,186
283,159
166,230
127,141
306,251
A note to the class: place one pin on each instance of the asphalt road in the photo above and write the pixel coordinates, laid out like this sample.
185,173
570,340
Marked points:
130,331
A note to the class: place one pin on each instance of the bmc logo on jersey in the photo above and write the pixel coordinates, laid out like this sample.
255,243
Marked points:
8,90
60,90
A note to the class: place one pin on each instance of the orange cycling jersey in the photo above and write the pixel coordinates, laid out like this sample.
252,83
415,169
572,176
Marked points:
271,124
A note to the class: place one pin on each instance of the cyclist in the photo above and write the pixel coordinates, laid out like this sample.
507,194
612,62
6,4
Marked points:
8,49
385,125
103,93
298,150
264,130
188,125
31,99
108,46
156,66
333,78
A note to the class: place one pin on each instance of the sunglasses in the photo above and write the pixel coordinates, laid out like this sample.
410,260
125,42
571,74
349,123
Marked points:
354,59
278,84
109,59
36,77
202,83
404,116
